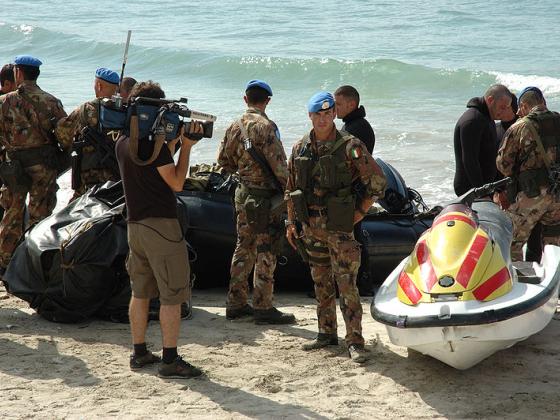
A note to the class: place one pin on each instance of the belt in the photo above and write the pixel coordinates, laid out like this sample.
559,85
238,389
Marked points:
317,212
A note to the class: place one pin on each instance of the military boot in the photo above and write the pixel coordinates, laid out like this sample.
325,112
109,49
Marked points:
322,340
358,353
234,313
273,316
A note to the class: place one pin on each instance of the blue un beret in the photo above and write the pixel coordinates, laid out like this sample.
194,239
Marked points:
27,60
259,83
530,89
108,75
320,101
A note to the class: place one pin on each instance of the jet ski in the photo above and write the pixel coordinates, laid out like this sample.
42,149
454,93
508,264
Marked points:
458,297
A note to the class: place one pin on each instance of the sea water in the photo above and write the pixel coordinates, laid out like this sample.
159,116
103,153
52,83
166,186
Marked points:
415,63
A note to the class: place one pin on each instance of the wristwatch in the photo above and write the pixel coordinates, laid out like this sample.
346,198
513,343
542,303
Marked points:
289,222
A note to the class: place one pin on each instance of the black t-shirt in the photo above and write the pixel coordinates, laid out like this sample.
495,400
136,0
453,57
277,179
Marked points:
145,191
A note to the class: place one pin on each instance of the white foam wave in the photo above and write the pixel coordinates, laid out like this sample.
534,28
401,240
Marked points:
24,29
516,82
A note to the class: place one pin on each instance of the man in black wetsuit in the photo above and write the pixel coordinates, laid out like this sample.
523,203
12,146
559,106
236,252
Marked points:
349,110
475,139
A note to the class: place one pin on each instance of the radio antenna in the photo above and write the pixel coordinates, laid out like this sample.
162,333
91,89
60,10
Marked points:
125,58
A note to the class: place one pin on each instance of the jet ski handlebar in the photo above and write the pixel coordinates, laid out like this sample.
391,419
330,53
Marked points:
468,198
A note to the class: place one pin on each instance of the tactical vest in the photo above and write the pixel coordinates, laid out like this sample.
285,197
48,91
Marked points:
97,147
325,184
548,130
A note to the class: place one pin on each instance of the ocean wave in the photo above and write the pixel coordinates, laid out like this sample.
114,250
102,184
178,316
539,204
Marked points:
516,82
380,76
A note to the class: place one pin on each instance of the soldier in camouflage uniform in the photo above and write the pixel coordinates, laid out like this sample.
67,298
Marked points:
97,165
27,118
252,200
333,182
529,154
7,85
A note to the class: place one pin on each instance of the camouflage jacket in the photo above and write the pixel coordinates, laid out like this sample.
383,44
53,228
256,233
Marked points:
233,157
85,115
519,151
23,125
361,164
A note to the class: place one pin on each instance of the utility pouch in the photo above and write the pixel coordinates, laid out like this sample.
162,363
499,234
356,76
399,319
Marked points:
63,160
279,244
340,214
327,171
554,180
300,206
303,168
278,207
343,174
301,249
530,181
258,213
76,169
15,177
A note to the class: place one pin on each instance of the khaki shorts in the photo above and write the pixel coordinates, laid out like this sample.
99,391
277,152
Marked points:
158,261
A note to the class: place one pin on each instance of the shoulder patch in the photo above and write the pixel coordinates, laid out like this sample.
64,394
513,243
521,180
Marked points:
356,152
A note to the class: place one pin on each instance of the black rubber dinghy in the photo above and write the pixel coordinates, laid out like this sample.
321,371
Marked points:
71,266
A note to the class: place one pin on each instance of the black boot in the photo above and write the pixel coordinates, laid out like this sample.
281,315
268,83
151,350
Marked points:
246,310
273,316
322,340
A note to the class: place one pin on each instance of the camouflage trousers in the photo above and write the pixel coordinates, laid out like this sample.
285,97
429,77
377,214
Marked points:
525,213
335,257
91,177
42,200
251,250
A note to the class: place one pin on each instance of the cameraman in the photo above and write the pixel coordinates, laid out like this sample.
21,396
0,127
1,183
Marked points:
158,262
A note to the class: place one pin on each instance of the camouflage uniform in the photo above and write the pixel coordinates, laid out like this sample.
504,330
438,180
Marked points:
335,255
22,128
518,154
252,249
86,115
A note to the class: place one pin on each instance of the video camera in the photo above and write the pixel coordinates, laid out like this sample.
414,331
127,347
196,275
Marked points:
155,117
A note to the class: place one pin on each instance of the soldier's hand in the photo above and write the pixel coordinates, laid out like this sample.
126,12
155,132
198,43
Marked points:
291,235
358,216
195,128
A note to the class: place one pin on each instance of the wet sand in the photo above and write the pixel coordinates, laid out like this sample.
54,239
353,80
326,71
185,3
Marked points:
50,370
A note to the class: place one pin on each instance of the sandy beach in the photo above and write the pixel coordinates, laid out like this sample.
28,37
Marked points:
50,370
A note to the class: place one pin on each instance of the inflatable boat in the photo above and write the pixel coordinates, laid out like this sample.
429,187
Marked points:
70,266
458,297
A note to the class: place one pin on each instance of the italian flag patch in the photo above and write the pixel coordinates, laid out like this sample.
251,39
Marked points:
356,153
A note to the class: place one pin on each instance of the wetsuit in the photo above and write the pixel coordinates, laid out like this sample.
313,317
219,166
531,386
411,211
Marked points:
476,146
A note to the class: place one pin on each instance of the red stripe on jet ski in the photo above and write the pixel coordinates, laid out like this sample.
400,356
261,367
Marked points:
490,285
426,268
409,288
471,260
459,217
